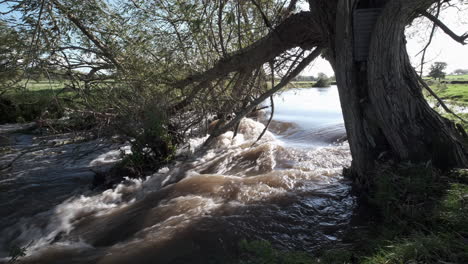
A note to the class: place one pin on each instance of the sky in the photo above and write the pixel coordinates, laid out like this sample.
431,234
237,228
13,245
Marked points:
443,48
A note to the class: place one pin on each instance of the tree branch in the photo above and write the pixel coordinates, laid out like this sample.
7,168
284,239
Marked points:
264,17
424,50
272,104
284,81
297,30
461,39
105,50
424,84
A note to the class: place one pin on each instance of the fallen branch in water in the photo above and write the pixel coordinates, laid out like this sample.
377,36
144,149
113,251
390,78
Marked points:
268,123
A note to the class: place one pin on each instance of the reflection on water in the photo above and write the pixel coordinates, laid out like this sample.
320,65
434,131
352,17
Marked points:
292,196
309,108
309,117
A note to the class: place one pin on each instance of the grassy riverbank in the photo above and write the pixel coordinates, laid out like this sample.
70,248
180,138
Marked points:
30,100
456,93
413,215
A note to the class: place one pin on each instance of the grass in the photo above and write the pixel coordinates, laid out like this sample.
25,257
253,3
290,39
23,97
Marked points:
451,78
457,77
423,218
33,85
30,102
455,92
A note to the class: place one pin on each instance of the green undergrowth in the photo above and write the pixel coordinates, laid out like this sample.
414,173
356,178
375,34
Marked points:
423,218
153,143
262,252
418,216
462,77
457,92
29,105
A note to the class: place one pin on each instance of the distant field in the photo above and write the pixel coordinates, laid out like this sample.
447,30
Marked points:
457,77
300,84
456,92
43,85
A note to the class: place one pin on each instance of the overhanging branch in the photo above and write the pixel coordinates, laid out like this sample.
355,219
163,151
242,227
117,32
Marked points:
101,46
461,39
297,31
284,81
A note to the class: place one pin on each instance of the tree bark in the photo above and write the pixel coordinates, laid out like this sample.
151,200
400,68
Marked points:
413,130
365,138
385,113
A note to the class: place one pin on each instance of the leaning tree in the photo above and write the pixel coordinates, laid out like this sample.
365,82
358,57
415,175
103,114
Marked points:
385,113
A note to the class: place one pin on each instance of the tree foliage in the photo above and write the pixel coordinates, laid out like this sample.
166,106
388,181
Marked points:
322,80
194,59
437,70
12,51
460,71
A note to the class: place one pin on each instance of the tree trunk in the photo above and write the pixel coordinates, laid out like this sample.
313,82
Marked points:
413,130
385,113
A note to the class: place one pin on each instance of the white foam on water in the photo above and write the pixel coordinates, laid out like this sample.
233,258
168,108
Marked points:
232,172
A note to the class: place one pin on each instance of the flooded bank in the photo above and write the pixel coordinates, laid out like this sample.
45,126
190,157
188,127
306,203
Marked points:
286,189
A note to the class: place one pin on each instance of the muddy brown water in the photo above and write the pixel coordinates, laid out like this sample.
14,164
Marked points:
286,189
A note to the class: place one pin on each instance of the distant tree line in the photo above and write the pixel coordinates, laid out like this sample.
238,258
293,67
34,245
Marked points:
437,70
311,78
305,78
460,71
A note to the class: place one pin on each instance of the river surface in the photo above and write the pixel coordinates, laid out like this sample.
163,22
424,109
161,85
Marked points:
286,188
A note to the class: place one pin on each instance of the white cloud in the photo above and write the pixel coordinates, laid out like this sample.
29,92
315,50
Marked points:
443,48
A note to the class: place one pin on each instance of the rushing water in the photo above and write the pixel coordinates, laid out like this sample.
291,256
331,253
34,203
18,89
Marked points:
287,189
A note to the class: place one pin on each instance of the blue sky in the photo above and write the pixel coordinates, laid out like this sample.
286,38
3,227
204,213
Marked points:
442,49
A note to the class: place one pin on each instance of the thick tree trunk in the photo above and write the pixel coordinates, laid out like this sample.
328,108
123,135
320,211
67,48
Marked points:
385,113
366,140
412,129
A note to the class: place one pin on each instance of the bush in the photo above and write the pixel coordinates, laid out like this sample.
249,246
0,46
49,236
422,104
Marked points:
323,81
27,106
7,111
152,138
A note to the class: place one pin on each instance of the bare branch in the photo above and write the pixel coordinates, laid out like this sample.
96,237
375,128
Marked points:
264,17
272,104
297,30
424,84
424,50
220,26
461,39
284,81
105,50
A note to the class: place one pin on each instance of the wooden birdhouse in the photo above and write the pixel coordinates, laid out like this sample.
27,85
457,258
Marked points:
364,19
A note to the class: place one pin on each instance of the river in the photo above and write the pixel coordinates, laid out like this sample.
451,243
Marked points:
286,189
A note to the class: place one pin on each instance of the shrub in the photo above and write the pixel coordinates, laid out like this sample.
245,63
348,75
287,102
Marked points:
322,81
